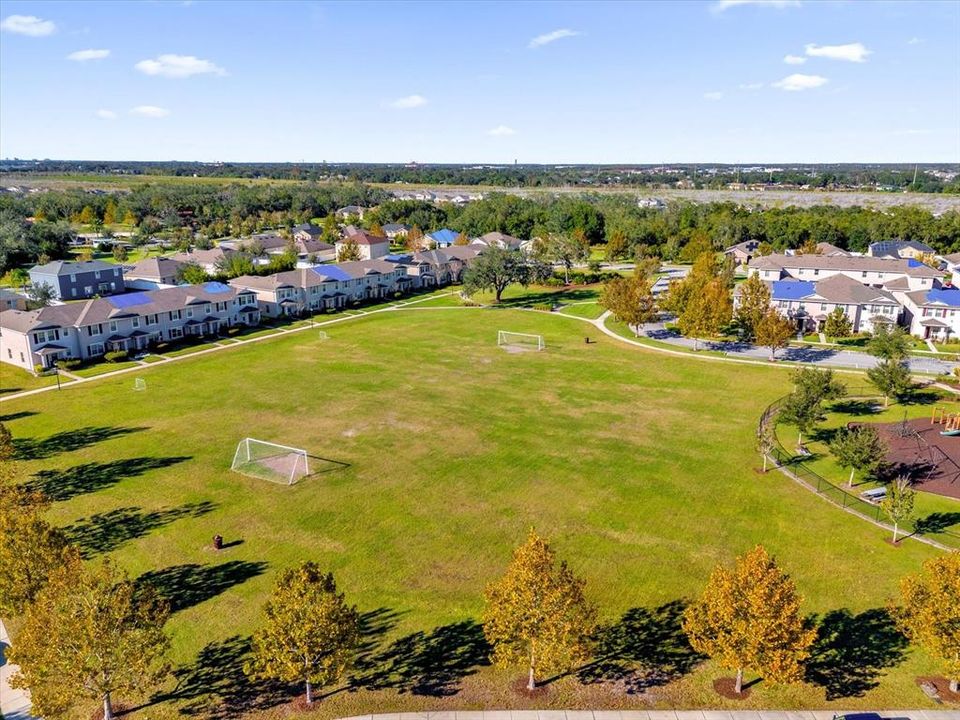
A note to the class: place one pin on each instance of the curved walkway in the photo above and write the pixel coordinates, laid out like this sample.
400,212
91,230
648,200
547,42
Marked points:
14,704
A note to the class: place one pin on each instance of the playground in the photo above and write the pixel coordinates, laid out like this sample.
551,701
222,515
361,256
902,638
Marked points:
927,450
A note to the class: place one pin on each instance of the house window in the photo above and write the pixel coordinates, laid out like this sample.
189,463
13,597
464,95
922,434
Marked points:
175,333
9,353
96,349
823,306
73,278
97,275
189,313
863,274
816,272
136,323
113,326
73,292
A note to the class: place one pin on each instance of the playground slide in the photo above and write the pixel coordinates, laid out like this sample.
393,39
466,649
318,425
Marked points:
950,433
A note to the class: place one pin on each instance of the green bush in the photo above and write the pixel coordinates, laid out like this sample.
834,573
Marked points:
68,364
544,306
115,356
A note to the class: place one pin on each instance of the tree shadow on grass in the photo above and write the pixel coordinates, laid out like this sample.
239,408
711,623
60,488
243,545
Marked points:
107,531
430,664
856,407
16,415
936,522
920,397
645,648
851,651
183,586
67,441
90,477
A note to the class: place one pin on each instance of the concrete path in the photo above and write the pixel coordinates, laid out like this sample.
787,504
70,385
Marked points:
667,715
14,704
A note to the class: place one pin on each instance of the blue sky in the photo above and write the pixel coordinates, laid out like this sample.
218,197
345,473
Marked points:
716,81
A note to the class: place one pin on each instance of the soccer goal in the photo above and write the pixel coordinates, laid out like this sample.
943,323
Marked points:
139,384
518,342
323,335
269,461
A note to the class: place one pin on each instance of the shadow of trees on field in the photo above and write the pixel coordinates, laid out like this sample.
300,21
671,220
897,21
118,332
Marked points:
851,406
16,415
936,522
852,650
91,477
645,648
183,586
428,663
107,531
67,441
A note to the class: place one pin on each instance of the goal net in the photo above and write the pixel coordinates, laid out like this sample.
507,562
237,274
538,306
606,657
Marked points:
139,384
323,335
269,461
517,342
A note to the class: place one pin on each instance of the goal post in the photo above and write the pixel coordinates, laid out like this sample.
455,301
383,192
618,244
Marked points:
139,384
515,340
269,461
323,335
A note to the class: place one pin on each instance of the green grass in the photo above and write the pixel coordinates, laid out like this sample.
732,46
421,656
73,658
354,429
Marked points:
104,367
589,310
639,467
14,379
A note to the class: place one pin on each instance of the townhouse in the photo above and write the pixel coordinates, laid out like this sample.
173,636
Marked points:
500,240
395,230
152,274
445,237
934,314
887,273
10,300
130,322
371,247
210,260
78,280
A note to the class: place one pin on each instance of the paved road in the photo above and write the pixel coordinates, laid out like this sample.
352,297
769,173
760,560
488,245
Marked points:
812,355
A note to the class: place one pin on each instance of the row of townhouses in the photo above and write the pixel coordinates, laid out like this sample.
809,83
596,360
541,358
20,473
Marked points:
135,321
869,290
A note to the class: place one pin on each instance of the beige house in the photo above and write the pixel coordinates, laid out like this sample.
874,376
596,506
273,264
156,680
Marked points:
371,246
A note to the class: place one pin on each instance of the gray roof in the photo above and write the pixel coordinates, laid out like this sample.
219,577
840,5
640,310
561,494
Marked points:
498,238
67,267
845,290
844,262
155,268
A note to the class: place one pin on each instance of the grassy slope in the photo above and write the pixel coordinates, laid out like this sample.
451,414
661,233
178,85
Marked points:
640,470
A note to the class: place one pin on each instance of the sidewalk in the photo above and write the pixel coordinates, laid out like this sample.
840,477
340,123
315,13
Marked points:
14,704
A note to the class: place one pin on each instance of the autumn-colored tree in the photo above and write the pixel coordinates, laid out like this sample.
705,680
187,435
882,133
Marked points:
647,267
809,247
749,617
681,292
753,303
461,239
414,239
376,230
837,324
310,633
858,448
898,504
7,448
129,218
90,634
764,248
616,245
119,253
536,615
630,300
348,250
110,212
929,613
87,215
773,331
707,312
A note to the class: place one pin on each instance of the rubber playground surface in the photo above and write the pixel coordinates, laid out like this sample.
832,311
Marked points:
917,449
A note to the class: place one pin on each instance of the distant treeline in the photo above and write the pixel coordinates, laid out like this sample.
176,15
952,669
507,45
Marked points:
933,178
213,211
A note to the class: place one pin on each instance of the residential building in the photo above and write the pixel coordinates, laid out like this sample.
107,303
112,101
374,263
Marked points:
500,240
310,252
743,252
306,232
445,237
129,322
904,249
152,273
209,260
395,230
371,246
349,210
9,300
887,273
78,280
934,314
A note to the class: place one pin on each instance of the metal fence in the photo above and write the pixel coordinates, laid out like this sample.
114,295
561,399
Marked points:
766,429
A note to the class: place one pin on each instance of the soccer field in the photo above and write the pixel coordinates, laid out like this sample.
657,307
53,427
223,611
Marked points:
442,450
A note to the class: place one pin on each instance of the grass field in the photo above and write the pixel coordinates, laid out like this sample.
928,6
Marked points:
439,452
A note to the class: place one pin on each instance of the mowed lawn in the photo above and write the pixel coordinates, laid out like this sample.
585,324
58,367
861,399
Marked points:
442,451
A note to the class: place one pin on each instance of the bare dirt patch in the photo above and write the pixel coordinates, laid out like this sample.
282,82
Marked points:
942,686
727,687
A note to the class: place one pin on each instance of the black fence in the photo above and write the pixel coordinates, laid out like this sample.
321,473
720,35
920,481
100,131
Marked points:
770,444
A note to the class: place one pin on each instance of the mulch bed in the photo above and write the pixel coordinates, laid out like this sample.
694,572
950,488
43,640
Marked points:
300,704
519,686
943,688
726,687
118,710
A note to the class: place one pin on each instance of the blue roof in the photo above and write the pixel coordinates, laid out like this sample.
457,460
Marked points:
129,300
792,289
215,287
946,296
331,271
444,235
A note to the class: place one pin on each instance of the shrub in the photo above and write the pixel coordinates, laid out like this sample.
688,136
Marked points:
38,369
544,306
68,364
115,356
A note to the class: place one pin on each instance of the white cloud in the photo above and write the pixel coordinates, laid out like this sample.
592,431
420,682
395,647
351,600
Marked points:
547,38
851,52
408,102
106,114
28,25
722,5
84,55
794,59
501,131
178,66
715,95
751,86
914,41
798,82
149,111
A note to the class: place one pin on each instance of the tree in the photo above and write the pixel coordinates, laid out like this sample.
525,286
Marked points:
376,230
331,233
461,239
119,253
898,504
310,634
764,248
19,277
698,244
646,267
838,324
773,331
707,312
630,300
90,634
234,265
536,615
563,249
7,448
858,448
496,268
110,212
40,294
87,216
809,247
889,344
929,613
752,306
617,245
414,238
192,273
129,218
891,378
802,410
749,617
349,249
820,384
